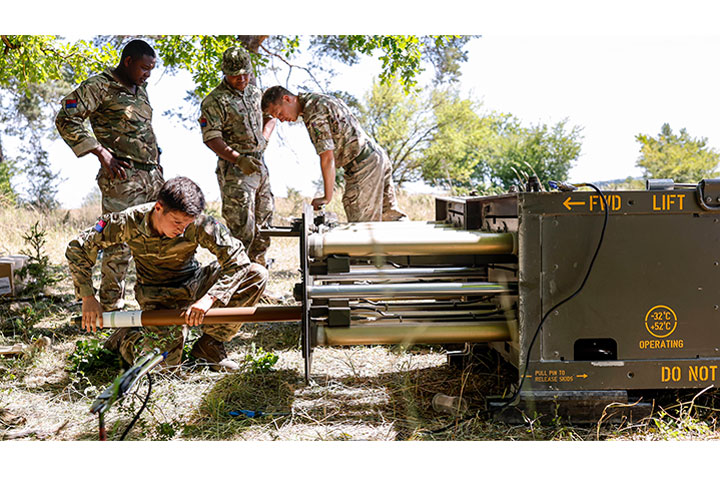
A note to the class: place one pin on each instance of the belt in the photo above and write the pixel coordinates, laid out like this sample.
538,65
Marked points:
364,153
148,167
257,155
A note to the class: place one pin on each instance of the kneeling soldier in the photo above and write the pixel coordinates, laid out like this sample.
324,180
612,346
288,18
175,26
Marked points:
163,237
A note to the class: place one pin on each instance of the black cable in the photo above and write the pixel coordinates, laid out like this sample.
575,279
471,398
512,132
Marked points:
547,314
137,415
567,299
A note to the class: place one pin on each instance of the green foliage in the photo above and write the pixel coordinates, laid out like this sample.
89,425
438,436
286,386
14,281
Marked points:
461,142
8,197
435,135
201,55
401,55
518,152
42,182
38,59
260,361
443,138
678,157
89,356
38,272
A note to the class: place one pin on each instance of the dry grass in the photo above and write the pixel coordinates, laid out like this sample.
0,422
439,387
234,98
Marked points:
368,393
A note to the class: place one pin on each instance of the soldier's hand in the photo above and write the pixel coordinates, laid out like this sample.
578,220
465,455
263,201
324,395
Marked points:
195,314
114,167
91,313
248,165
319,202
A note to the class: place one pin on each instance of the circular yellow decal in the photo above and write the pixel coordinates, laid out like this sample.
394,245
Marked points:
660,321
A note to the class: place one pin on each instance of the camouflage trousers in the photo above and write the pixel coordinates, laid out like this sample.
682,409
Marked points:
370,191
172,339
247,205
117,195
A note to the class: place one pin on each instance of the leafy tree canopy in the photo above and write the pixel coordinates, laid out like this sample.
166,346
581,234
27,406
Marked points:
444,139
676,156
28,59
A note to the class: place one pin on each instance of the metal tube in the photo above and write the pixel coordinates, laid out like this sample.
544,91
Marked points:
379,239
423,305
259,314
415,314
409,290
408,333
378,274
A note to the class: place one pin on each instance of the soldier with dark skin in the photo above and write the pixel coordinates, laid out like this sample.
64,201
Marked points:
163,237
340,141
122,139
234,127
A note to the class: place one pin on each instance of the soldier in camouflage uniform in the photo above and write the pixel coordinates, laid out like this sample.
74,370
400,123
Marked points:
234,127
163,237
117,105
341,142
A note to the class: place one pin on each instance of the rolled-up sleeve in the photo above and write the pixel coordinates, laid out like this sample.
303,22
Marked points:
74,109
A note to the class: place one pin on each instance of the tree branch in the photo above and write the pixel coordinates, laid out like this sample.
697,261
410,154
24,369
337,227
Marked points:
8,44
291,66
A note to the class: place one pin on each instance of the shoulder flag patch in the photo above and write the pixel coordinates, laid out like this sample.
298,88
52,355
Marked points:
100,225
203,122
70,103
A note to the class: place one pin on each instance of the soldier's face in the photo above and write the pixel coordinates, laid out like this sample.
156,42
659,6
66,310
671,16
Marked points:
170,223
238,82
286,110
138,71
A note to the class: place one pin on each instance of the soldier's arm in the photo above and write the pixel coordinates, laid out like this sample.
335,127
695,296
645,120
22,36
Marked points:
211,123
230,253
327,166
318,126
81,254
70,123
268,126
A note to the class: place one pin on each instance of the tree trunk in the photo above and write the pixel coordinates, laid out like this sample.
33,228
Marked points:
252,42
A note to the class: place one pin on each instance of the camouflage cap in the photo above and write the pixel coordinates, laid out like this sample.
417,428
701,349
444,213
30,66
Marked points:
236,61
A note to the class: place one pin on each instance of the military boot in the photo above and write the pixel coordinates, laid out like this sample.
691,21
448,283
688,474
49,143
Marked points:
213,352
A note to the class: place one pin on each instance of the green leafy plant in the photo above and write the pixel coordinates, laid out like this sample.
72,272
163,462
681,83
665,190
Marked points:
258,360
38,273
90,356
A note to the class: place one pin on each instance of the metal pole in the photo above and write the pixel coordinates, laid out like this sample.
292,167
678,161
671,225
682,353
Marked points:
398,241
378,274
409,290
214,316
408,333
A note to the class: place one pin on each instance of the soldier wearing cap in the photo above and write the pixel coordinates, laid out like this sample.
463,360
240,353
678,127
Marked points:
340,141
116,103
234,127
163,236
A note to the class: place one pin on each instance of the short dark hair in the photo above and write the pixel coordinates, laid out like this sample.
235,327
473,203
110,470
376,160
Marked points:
180,194
273,95
136,49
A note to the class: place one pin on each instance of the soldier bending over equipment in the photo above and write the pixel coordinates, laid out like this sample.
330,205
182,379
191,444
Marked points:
341,142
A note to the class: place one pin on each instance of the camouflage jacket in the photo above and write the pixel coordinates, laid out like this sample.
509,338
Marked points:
332,126
160,260
121,120
235,116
